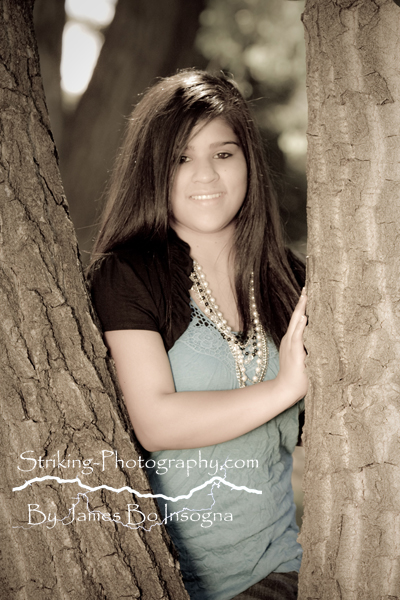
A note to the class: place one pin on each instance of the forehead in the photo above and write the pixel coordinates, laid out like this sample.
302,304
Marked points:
214,131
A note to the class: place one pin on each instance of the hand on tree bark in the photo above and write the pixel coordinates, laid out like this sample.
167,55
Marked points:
292,376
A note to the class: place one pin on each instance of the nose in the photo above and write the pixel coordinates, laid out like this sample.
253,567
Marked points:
204,172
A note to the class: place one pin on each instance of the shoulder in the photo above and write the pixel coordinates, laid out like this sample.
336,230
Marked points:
126,290
123,266
151,262
138,284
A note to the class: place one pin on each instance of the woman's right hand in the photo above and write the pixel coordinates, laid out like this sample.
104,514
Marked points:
292,377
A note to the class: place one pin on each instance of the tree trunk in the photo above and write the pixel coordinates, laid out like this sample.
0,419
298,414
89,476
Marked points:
58,401
49,19
147,39
351,530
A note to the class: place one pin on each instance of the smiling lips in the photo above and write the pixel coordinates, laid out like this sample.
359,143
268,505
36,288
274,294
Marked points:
206,196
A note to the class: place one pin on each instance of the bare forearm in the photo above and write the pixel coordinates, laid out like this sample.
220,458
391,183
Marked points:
194,419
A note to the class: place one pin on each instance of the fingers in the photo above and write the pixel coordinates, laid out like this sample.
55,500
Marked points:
299,330
297,315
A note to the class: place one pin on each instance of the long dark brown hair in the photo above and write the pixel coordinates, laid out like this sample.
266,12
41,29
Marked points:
139,207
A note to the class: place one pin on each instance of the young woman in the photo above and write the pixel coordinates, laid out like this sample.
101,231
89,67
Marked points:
195,292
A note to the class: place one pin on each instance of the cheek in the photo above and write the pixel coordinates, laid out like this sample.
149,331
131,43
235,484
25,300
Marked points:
178,186
242,182
174,193
178,205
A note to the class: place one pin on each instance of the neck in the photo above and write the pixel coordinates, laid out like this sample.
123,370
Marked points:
213,251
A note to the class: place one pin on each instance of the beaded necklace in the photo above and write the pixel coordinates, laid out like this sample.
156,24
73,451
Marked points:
243,351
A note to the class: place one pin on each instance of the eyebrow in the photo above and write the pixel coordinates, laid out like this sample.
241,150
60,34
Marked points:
216,144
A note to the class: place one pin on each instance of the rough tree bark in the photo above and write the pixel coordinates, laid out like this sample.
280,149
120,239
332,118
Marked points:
147,39
351,530
57,394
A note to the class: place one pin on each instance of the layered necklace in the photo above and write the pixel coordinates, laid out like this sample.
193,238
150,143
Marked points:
255,347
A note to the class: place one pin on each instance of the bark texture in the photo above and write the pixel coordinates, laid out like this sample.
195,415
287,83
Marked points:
57,394
351,530
147,39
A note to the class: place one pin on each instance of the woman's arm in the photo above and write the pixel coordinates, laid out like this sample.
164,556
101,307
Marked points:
164,419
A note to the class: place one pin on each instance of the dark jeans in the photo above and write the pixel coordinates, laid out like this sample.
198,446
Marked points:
277,586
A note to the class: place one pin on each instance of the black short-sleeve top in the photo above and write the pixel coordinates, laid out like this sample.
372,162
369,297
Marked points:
129,288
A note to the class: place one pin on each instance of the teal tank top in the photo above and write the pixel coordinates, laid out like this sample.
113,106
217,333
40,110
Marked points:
238,525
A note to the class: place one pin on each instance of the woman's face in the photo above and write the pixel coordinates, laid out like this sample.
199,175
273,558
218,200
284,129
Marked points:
210,184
